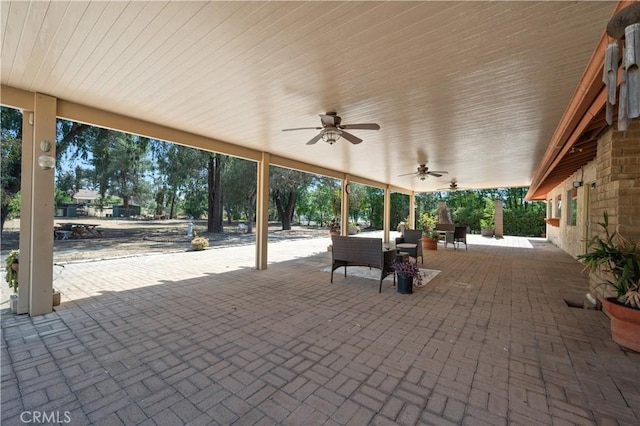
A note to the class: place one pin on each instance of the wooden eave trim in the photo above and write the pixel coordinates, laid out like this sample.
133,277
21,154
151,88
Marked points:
21,99
94,116
16,98
288,163
586,101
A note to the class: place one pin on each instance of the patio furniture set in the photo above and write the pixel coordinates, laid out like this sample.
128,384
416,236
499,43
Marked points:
65,231
370,252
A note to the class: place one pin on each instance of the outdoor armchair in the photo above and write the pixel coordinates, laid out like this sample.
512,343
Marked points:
413,237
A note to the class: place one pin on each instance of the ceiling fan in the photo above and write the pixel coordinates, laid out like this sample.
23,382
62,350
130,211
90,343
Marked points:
453,186
424,172
332,129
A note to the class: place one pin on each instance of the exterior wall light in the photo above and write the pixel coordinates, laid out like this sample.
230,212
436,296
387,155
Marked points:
45,161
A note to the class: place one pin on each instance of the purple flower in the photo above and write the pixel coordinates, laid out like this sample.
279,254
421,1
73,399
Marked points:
408,268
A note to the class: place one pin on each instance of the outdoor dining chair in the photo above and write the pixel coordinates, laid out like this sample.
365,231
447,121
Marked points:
460,236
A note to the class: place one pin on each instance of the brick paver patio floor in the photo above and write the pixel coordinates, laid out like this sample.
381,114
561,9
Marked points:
202,338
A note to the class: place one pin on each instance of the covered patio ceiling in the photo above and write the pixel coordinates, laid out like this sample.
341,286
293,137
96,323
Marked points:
474,88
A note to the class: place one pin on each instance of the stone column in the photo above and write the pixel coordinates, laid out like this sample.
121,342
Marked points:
499,220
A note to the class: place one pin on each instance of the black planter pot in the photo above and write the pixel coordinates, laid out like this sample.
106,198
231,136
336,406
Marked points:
405,284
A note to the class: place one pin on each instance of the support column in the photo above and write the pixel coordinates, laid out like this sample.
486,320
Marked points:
499,220
26,186
412,211
40,263
387,215
262,211
344,207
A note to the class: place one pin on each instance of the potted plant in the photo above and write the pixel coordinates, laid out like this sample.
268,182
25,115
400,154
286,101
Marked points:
408,276
11,267
11,276
430,236
618,262
334,227
199,243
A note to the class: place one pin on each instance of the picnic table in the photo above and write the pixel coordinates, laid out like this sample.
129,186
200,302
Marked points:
77,230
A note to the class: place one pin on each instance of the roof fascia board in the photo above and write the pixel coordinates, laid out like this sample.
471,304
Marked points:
585,96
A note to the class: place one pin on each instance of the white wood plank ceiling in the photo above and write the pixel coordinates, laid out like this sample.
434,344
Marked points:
474,88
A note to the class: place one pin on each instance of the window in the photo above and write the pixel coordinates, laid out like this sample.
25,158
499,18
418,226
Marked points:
550,208
558,206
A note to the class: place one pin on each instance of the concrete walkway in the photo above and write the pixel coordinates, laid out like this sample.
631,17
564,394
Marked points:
203,338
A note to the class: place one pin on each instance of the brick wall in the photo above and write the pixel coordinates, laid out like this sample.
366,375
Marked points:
572,238
618,181
617,187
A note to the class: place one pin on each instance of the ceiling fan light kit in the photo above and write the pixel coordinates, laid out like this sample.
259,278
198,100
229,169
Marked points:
330,136
332,129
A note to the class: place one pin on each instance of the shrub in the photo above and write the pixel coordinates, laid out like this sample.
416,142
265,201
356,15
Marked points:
199,243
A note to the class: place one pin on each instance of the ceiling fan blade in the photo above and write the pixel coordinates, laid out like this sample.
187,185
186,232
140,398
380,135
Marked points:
438,171
351,138
315,139
407,174
302,128
434,174
362,126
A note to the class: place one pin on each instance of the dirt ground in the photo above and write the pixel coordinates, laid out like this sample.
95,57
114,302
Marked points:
129,237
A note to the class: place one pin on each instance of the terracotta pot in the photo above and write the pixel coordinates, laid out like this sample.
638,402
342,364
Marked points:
625,324
15,266
56,298
429,243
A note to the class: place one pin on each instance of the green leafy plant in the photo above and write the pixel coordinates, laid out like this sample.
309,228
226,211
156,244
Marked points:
353,229
617,258
433,234
11,275
199,243
427,222
488,214
408,268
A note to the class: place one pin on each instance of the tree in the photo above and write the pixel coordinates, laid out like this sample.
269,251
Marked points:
239,187
285,184
177,168
399,208
215,164
375,206
11,160
324,202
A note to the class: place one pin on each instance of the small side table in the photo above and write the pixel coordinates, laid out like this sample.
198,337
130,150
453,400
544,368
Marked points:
402,257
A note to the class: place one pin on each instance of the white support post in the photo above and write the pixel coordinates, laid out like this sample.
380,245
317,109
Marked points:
412,210
262,211
387,214
41,215
26,209
344,207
